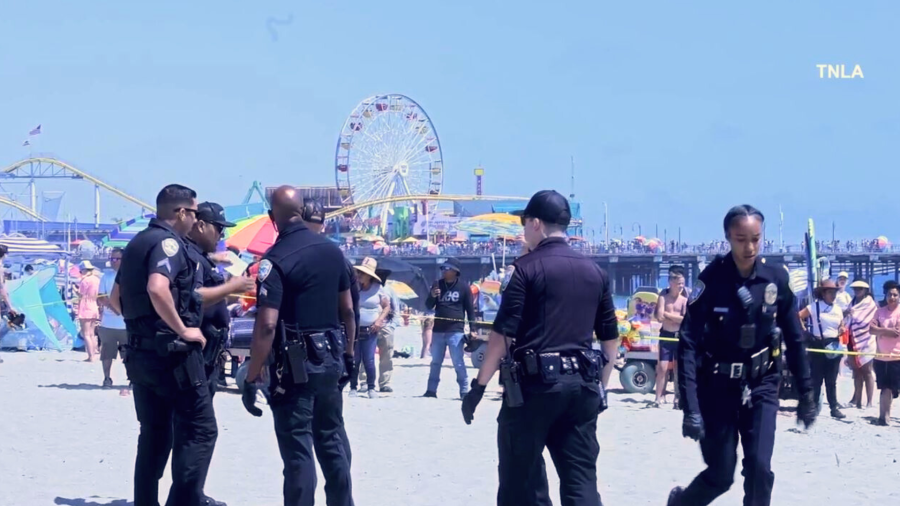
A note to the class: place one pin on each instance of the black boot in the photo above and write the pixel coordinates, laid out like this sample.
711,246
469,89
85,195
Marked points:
836,414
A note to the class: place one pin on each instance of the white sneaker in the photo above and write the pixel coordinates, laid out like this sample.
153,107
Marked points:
353,393
372,394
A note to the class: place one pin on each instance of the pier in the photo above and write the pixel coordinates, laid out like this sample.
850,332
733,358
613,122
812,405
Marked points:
629,271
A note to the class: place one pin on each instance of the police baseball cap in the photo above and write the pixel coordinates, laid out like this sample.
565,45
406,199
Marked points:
211,212
548,206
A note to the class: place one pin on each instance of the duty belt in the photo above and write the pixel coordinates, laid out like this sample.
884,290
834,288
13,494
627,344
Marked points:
757,366
141,342
735,370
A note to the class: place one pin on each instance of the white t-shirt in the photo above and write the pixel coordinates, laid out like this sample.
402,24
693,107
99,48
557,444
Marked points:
843,300
109,320
830,317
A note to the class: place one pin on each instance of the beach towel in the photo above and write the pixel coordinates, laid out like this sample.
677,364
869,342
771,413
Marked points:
860,319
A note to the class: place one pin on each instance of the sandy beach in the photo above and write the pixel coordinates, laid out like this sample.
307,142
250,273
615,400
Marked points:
67,441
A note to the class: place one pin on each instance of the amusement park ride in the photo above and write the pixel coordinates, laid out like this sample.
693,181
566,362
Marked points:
388,156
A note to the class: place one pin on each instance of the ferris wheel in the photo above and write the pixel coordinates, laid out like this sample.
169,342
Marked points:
388,147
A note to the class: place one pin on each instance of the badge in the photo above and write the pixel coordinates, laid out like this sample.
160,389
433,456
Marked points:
696,292
265,267
170,247
771,293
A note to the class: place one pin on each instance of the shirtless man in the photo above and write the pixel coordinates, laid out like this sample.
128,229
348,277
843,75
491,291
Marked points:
670,310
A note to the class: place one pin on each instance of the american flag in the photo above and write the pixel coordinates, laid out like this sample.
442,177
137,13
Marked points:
36,130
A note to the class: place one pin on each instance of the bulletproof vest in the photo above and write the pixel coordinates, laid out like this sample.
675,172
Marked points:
133,276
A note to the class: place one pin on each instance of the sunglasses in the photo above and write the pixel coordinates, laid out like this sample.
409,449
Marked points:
523,219
188,209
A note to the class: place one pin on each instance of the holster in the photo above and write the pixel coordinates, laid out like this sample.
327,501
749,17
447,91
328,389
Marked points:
512,383
294,354
215,343
190,372
592,363
604,402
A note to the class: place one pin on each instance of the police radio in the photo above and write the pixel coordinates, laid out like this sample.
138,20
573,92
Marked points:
748,330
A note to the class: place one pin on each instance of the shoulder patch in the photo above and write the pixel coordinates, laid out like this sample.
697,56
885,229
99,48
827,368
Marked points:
265,267
771,293
170,247
697,292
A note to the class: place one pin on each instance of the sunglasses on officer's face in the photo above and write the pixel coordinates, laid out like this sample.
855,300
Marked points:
188,210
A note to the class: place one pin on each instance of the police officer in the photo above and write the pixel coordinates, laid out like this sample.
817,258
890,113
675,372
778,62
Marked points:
213,289
302,287
739,314
314,218
201,245
549,371
154,290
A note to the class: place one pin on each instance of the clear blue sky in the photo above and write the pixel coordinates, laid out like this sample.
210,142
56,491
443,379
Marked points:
674,111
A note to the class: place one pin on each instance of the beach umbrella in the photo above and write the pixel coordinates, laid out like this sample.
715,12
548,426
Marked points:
256,236
403,291
19,244
882,241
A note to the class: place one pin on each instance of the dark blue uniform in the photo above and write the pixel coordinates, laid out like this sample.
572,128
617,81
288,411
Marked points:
730,374
302,275
216,317
171,394
556,299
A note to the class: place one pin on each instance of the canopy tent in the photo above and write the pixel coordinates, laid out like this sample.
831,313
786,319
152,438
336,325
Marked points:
126,231
47,320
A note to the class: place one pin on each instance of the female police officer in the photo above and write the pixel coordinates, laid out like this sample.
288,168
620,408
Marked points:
729,360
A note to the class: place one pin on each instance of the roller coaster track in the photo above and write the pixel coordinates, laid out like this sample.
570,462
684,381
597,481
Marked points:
20,207
45,168
416,198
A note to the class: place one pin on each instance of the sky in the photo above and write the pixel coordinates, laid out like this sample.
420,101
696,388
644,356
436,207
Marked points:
673,111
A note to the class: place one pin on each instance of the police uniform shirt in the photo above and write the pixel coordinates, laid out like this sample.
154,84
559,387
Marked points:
712,326
208,275
555,299
154,250
302,275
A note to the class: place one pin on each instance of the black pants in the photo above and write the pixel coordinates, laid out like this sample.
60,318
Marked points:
213,372
824,369
310,416
178,420
726,419
563,418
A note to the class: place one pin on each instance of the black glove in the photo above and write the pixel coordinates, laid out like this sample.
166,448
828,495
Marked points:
348,370
806,410
248,397
692,426
471,400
